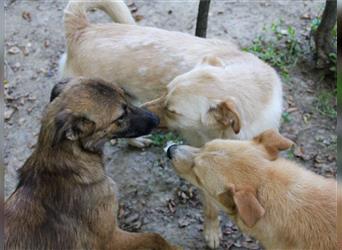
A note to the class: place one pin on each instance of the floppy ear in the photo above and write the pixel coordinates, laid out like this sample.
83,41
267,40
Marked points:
245,202
273,142
58,88
213,61
226,114
71,127
226,198
248,206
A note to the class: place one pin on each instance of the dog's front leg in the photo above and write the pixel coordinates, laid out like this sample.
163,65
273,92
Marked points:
212,229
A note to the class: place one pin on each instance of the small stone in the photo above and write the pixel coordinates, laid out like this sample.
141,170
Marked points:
183,222
15,67
14,50
9,113
113,142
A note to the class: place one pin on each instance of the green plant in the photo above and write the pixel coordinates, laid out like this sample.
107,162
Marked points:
286,117
160,139
281,50
325,103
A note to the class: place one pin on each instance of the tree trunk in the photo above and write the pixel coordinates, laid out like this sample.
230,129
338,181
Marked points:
323,38
202,18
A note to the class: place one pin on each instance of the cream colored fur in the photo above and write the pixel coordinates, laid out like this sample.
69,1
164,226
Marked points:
299,207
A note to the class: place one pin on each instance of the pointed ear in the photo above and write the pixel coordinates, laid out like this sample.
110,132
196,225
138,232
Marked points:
213,61
248,206
58,88
69,126
226,114
273,142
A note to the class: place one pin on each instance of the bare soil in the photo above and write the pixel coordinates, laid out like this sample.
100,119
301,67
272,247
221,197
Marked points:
152,196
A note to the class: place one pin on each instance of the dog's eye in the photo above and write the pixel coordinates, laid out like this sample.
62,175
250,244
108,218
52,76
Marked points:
171,110
122,116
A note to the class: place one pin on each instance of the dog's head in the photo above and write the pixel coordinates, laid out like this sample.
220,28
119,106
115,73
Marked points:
90,112
230,171
195,102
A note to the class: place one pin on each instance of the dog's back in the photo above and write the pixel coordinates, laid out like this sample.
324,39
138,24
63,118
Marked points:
301,208
52,212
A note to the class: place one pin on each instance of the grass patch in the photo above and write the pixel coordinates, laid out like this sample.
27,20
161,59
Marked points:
160,139
281,50
286,118
325,103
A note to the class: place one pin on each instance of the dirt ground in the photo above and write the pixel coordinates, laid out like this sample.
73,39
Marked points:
153,198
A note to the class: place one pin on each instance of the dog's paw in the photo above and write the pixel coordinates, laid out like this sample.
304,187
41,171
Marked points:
213,235
140,142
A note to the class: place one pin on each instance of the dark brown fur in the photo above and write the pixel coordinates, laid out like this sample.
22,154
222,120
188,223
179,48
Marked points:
64,200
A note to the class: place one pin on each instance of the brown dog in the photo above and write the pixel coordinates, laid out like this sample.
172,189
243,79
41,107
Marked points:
276,201
64,200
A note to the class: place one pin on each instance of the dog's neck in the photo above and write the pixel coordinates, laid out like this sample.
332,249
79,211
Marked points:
67,160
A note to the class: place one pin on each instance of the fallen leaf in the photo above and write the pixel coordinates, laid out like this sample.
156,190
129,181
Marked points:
293,109
46,44
27,16
305,16
138,18
306,118
171,206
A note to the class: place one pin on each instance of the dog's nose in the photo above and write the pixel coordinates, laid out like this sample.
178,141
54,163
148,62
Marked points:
171,150
156,121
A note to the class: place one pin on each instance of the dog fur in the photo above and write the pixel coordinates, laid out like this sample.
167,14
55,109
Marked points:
281,204
203,88
199,77
64,200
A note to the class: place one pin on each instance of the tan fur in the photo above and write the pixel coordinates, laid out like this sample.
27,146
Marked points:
64,200
277,201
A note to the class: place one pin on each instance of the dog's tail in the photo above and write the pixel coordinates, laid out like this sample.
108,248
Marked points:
75,14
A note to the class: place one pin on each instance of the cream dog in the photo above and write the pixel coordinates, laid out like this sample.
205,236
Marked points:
205,88
230,89
281,204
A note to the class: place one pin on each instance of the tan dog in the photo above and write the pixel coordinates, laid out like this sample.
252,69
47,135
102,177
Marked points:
281,204
212,88
64,200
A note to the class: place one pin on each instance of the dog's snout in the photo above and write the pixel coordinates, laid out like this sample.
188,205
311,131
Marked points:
171,150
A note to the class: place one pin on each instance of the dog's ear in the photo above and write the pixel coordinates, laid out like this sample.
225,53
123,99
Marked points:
226,114
213,61
226,198
273,142
69,126
58,88
245,202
